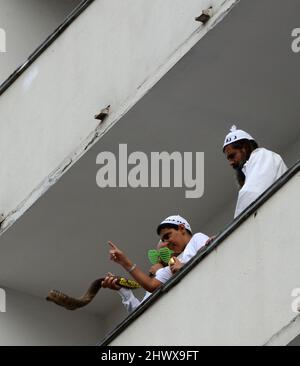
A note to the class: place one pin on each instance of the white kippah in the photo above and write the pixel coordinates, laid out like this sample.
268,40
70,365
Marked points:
176,220
236,135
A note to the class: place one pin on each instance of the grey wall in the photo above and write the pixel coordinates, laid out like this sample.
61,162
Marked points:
295,342
31,321
27,24
292,153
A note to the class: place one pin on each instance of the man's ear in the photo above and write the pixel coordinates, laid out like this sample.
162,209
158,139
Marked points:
245,153
181,228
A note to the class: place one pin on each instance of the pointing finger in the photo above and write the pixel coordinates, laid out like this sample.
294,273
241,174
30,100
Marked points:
113,246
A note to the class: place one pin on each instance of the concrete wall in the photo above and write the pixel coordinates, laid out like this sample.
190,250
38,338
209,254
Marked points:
31,321
27,23
292,153
112,54
241,293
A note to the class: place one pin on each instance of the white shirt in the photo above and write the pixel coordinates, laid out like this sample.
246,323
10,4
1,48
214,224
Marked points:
129,300
164,274
198,241
262,169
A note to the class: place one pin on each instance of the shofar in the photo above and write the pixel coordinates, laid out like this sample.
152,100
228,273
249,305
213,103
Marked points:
72,303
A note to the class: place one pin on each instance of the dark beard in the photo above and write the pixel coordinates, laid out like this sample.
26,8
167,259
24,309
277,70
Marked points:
240,176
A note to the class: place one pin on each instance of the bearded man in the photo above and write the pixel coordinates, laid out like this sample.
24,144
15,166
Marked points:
256,167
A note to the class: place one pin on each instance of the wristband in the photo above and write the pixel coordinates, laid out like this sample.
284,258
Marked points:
132,268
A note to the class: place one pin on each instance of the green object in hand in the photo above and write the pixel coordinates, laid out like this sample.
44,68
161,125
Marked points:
163,254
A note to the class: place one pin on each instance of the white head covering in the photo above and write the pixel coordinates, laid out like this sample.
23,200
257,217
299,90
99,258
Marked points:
176,220
236,135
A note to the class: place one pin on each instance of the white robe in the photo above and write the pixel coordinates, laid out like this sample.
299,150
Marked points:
262,169
164,274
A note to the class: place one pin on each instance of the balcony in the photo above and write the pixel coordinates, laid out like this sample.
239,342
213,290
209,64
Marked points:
57,220
238,291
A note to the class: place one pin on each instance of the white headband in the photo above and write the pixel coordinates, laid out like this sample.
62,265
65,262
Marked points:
236,135
175,220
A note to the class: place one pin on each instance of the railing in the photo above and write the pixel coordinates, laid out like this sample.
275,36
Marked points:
203,253
69,20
